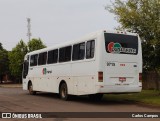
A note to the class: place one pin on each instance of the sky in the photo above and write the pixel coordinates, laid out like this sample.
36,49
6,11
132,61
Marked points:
54,21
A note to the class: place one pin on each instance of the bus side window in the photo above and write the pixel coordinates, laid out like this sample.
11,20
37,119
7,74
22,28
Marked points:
78,51
52,56
65,54
90,47
42,58
82,51
61,54
68,53
33,60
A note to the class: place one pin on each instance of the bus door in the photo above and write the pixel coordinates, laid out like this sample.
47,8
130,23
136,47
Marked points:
25,68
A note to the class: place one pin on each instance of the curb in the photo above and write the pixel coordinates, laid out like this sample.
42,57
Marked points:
11,85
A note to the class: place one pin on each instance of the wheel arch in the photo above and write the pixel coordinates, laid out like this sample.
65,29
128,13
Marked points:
61,82
29,83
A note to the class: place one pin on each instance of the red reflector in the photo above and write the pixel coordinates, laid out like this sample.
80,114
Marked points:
140,77
122,79
122,64
101,86
100,76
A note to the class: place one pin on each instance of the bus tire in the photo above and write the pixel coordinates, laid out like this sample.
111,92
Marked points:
95,97
63,91
30,89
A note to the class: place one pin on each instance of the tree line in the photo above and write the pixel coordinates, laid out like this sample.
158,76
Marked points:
11,62
142,17
138,16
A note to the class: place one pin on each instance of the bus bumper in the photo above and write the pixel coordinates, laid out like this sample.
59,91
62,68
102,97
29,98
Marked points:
119,89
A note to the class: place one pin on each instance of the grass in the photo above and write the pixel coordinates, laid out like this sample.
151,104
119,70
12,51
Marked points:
150,97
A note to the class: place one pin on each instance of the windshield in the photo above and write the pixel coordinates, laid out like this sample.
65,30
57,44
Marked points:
121,44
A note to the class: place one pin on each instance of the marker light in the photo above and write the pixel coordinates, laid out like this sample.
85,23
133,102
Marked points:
140,77
100,76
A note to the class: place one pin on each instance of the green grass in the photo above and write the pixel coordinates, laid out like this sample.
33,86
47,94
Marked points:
150,97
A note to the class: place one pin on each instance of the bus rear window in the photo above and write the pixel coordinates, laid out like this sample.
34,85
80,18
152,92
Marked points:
121,44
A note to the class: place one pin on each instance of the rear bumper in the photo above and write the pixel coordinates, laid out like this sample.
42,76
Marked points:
119,89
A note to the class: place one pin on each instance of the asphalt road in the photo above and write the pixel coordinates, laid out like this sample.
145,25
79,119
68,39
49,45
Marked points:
17,100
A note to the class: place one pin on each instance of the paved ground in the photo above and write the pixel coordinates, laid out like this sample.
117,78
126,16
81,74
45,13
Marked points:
17,100
11,85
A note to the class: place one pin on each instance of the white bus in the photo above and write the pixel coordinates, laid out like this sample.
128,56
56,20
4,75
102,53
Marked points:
99,63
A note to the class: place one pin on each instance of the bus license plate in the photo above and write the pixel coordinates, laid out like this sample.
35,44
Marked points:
122,79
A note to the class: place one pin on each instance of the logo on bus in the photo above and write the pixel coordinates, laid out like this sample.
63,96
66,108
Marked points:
117,48
45,71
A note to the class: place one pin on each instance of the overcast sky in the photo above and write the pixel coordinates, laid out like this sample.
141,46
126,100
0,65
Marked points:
54,21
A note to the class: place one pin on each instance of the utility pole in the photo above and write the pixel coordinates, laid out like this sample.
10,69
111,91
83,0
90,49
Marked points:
29,34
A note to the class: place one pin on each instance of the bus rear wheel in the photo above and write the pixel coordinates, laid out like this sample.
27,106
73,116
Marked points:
30,89
63,91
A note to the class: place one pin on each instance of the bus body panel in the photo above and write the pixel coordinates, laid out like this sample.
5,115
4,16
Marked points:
84,79
120,71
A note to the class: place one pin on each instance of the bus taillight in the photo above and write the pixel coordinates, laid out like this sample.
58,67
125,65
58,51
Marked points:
140,77
100,76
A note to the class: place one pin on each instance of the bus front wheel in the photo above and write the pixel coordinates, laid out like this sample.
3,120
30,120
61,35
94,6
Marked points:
63,91
30,89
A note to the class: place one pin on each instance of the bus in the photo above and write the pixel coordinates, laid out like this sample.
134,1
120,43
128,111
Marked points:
98,63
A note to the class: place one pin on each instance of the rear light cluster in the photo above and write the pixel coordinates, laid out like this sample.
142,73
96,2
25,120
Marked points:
140,77
100,76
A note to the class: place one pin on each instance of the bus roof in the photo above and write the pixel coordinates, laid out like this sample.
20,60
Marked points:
92,35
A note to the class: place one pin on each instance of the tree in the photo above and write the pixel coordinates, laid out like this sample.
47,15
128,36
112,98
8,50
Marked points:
16,57
142,17
4,62
1,47
35,44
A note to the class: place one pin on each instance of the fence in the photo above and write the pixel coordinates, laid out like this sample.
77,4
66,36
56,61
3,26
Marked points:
151,80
